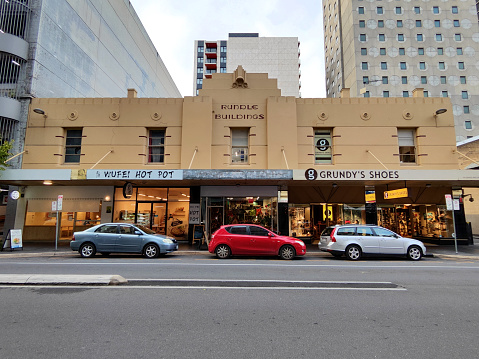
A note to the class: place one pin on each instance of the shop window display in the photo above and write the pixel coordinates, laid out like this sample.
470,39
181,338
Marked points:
300,221
255,210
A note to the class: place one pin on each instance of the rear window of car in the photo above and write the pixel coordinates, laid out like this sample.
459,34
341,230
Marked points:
364,231
237,230
107,229
327,231
346,231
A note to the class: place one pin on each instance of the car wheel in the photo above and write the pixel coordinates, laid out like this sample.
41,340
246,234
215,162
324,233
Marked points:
414,253
223,251
87,250
353,252
151,251
287,252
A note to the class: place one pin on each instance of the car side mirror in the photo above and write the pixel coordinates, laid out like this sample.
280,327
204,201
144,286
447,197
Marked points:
270,234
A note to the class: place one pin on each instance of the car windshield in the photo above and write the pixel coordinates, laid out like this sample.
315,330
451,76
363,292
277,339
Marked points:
145,229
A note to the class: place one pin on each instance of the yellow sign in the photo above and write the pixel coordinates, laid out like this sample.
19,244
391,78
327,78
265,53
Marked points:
370,196
397,193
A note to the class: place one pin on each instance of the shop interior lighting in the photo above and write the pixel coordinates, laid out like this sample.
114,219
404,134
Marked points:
47,183
107,198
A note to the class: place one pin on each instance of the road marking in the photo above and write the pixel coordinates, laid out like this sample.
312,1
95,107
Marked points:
83,287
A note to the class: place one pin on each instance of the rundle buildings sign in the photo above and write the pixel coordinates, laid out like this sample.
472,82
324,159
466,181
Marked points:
239,112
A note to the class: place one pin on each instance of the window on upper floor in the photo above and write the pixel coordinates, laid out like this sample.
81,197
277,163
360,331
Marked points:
455,10
382,37
468,125
438,37
419,37
440,51
444,93
402,66
465,95
422,65
459,50
323,146
362,37
364,66
73,141
435,9
362,23
456,23
399,23
457,37
380,23
407,145
442,65
460,65
384,65
404,80
443,80
402,51
379,10
437,23
400,37
417,10
465,109
398,10
239,145
405,94
361,10
365,80
462,79
418,23
420,51
156,146
385,93
364,51
423,80
367,94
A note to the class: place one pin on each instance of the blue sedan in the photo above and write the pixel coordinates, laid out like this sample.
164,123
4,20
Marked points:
107,238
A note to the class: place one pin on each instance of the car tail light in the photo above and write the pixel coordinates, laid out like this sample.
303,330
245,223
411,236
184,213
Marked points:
73,237
332,235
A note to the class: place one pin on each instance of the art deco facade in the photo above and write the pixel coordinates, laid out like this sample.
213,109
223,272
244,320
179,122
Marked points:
389,48
240,151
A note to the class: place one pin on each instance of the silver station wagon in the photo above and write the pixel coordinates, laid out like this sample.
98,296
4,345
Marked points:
356,240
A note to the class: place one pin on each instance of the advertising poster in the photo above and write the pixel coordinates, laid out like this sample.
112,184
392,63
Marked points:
16,238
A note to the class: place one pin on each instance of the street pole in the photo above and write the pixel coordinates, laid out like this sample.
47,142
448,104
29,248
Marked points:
454,226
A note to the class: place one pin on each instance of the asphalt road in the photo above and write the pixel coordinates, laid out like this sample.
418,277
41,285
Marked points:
333,309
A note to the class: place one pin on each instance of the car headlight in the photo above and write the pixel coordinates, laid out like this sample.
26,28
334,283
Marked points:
167,241
301,243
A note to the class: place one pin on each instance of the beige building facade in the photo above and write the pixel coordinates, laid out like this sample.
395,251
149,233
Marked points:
240,152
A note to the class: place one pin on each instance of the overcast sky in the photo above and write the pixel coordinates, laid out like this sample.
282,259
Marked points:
174,25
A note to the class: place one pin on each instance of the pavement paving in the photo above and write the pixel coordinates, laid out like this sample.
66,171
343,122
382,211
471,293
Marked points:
47,249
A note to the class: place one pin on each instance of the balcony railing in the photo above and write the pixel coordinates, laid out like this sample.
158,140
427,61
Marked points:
15,17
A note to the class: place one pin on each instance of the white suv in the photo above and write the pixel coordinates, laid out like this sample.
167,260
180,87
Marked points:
356,240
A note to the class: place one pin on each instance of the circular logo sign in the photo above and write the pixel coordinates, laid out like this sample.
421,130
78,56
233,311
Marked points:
311,174
127,190
322,144
15,195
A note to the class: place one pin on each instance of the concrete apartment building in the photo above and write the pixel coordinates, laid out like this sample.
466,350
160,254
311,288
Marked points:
388,48
276,56
241,152
71,49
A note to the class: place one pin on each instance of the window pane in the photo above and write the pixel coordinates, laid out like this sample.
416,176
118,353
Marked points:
239,145
156,146
73,146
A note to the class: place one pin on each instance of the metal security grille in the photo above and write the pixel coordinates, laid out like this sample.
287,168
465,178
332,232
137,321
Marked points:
10,68
7,129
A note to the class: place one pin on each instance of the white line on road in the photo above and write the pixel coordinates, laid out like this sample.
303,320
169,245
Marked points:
200,287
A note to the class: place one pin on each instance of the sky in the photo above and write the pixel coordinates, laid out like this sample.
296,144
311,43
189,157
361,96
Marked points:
174,25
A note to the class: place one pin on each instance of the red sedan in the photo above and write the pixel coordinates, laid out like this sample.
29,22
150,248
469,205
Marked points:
253,240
